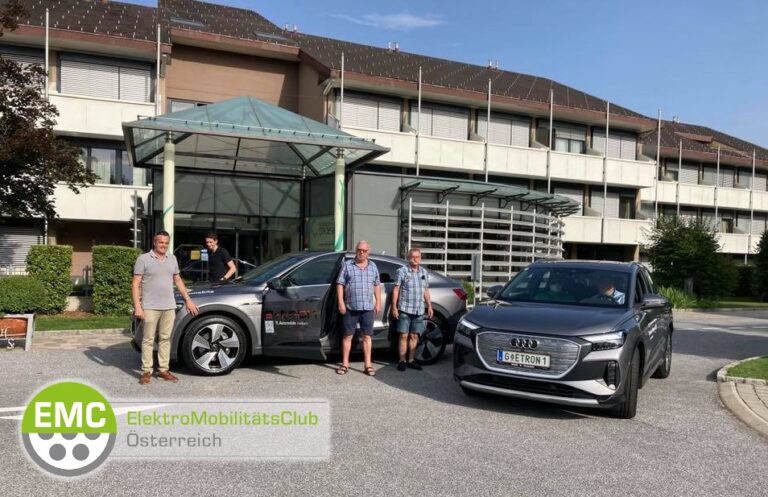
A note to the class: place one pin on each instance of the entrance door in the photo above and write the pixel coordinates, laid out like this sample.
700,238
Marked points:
294,317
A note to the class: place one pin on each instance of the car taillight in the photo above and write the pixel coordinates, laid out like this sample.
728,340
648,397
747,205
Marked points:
460,293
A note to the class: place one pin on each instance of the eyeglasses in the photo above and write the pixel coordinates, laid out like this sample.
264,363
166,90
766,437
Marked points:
362,250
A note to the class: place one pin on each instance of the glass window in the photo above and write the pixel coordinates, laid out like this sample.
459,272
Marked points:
177,105
131,175
387,270
104,164
627,207
568,285
671,170
318,271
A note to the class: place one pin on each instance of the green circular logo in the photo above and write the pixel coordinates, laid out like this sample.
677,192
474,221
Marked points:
68,428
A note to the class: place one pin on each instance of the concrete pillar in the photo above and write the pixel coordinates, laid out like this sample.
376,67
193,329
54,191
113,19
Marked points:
169,185
339,201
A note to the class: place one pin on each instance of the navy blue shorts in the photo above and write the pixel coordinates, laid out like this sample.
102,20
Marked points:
354,318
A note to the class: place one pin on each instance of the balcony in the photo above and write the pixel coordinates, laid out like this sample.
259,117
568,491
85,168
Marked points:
585,229
622,172
445,153
733,243
517,161
98,202
760,200
402,146
96,117
735,198
697,194
576,167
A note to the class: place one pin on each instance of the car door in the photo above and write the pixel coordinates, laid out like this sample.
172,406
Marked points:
658,320
294,316
647,319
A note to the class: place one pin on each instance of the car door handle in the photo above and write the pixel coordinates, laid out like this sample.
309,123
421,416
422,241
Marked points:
313,299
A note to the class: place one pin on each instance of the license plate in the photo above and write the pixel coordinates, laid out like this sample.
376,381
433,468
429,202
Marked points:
522,359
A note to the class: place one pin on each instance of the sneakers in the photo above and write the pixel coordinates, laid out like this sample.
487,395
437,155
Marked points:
401,366
145,378
167,376
414,365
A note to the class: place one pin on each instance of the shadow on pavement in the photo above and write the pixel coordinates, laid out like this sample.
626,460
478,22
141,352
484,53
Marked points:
732,346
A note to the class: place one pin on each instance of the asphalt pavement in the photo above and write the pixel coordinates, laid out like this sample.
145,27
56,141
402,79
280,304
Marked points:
415,433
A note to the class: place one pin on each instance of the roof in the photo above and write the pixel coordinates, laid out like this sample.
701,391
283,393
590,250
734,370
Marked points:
385,63
123,20
220,19
703,139
477,189
245,135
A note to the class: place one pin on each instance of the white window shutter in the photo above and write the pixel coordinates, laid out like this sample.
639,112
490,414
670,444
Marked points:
389,115
135,84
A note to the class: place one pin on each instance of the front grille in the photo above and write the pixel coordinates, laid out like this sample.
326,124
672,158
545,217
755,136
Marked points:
562,353
530,386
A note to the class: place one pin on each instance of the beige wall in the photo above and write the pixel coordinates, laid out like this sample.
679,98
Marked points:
83,236
206,75
311,101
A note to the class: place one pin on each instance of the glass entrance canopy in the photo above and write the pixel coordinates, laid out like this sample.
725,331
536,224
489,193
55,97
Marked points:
245,135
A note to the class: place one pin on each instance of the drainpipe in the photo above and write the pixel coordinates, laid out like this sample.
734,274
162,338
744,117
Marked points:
487,130
47,62
418,127
549,148
658,170
605,169
169,184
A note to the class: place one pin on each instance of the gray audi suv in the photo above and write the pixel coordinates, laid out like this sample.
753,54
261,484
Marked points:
287,308
579,333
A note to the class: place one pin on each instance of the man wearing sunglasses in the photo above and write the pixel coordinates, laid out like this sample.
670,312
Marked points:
358,291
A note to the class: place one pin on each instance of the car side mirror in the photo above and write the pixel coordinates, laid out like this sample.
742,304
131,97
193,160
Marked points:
276,284
494,291
654,301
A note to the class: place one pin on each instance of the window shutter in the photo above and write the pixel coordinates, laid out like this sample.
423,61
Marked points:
628,147
360,112
709,176
425,127
389,115
760,182
726,178
689,173
448,122
15,243
135,84
95,80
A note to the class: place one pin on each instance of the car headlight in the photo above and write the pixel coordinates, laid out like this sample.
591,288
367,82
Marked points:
466,327
607,341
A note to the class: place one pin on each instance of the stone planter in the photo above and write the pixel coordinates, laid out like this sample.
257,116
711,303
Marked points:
15,327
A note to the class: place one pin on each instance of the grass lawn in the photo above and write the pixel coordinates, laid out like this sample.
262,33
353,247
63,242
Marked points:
744,302
756,368
80,322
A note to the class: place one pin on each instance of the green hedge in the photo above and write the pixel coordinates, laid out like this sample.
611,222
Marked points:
51,265
112,274
21,295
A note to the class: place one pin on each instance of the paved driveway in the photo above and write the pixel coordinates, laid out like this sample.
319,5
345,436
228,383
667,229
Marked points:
416,434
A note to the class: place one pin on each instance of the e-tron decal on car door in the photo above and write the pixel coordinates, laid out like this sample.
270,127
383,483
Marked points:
269,325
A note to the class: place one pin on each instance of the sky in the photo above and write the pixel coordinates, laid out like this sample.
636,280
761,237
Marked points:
705,61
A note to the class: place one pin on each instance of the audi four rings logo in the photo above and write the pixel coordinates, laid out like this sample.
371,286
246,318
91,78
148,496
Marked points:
524,343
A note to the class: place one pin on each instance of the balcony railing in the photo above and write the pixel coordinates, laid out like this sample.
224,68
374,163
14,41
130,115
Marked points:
586,229
98,117
98,202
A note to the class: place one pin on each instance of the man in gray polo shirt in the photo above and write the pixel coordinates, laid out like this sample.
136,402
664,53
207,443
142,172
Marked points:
154,275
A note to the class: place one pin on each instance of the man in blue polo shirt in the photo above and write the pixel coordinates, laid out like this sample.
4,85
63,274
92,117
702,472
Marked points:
358,290
410,294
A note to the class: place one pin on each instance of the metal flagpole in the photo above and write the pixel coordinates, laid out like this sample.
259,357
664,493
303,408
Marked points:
47,63
418,125
341,92
658,171
487,130
549,148
751,208
340,194
679,168
158,100
717,186
605,168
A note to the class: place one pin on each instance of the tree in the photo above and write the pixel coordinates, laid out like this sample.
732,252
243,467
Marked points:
761,267
680,249
32,158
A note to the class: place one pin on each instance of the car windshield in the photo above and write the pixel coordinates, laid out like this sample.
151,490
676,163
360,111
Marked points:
569,286
271,269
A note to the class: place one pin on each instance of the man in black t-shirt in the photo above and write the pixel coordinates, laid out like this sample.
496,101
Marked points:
221,266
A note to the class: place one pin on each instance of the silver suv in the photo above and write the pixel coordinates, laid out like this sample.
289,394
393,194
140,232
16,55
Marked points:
286,308
578,333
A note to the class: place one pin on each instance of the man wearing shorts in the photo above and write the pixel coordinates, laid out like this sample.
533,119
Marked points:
358,290
410,294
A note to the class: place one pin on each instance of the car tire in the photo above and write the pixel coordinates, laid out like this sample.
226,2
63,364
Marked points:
432,343
628,407
214,346
666,365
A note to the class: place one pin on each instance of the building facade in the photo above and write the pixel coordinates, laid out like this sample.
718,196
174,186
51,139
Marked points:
111,62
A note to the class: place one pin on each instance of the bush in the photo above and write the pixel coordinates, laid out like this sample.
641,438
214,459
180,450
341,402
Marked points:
469,287
761,267
747,286
51,265
678,298
112,275
21,295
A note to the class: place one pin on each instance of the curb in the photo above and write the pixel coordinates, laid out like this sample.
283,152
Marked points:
721,309
729,396
98,331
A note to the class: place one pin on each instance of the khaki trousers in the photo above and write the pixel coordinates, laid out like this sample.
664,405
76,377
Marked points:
160,321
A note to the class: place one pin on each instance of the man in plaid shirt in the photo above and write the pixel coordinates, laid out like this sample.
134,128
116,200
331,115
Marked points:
358,290
408,298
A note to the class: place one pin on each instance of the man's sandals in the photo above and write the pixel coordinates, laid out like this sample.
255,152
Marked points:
369,371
